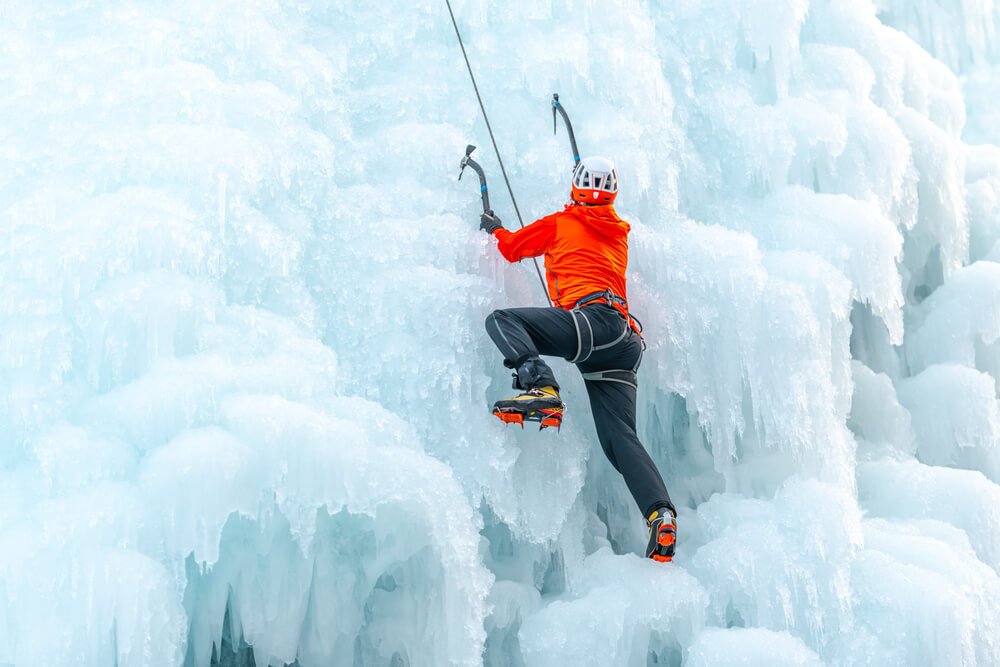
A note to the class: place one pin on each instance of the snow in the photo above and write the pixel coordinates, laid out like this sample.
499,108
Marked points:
244,374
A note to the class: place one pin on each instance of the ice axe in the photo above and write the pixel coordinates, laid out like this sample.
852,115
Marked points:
467,161
556,106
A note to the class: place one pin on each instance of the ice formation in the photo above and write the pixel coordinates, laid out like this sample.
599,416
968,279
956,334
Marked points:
244,374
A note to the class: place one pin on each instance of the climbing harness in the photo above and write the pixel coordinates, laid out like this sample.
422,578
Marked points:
585,338
489,128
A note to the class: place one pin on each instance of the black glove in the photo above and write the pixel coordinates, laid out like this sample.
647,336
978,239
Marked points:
489,222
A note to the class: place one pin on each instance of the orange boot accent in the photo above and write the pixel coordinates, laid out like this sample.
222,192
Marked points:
662,536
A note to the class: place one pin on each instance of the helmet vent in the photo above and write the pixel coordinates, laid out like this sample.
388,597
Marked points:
597,175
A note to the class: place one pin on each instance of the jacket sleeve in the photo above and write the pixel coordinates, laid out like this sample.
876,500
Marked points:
530,241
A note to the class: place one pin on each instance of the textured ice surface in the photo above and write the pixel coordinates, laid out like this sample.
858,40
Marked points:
244,378
750,647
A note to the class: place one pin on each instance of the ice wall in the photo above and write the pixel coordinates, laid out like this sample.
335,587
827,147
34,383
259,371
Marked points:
245,377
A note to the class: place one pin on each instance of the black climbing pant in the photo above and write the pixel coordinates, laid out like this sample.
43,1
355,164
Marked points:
523,334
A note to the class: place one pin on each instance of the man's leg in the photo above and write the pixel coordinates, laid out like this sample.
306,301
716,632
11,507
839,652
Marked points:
613,405
523,334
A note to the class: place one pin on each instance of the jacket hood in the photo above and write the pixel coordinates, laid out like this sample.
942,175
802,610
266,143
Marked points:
602,219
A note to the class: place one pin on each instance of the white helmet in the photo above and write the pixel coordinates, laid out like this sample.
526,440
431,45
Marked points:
595,181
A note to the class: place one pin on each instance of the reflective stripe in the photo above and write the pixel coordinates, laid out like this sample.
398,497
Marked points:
493,318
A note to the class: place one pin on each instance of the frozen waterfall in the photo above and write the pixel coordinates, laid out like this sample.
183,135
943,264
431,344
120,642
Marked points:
244,379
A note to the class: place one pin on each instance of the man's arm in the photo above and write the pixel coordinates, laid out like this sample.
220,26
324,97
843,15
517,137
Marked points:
531,241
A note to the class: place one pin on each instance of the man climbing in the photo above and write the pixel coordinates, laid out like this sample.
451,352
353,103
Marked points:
586,252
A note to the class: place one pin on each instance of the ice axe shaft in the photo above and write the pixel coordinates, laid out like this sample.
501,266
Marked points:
467,161
468,151
556,106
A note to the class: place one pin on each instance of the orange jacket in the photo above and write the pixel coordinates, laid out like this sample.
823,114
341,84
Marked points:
585,248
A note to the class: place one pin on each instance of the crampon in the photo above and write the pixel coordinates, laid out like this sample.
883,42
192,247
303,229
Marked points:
546,417
536,405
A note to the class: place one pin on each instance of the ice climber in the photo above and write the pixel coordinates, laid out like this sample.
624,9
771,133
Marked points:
586,251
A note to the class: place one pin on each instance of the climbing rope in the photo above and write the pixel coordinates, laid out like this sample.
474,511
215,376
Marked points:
496,150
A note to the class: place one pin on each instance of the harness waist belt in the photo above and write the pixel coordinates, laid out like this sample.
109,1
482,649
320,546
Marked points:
610,297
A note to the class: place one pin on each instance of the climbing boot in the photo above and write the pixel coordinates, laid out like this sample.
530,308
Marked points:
540,404
662,535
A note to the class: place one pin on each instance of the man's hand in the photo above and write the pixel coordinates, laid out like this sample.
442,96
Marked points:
489,222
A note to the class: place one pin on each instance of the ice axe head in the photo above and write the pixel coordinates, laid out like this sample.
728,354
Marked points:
465,160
